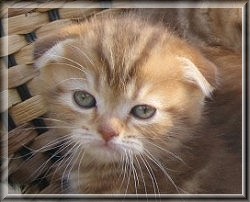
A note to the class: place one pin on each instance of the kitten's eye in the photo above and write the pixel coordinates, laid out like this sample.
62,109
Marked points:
84,99
143,111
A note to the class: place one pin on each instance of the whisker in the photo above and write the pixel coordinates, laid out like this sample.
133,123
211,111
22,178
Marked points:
83,53
45,163
56,153
151,175
129,174
61,163
124,169
52,119
143,180
38,150
48,127
149,155
56,141
169,152
69,79
78,169
76,159
70,60
133,172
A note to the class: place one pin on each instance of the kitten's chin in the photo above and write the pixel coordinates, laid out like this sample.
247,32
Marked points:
104,154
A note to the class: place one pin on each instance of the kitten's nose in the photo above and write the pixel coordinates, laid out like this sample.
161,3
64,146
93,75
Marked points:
109,129
107,133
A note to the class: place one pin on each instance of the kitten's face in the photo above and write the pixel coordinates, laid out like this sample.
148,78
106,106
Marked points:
120,95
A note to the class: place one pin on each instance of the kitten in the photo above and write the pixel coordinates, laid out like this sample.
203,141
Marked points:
125,98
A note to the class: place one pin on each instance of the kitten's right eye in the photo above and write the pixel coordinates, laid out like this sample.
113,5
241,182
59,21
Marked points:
84,99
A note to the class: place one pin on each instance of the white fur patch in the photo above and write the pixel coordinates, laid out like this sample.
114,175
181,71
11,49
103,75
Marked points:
192,74
53,54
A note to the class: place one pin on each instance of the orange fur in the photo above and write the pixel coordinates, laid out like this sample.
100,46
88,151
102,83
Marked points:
124,62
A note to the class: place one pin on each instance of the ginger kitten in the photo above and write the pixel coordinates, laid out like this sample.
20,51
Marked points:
125,98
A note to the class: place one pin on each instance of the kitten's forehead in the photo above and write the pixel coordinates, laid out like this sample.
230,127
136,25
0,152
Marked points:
117,52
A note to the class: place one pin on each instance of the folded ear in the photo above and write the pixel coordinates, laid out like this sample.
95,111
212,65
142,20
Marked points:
201,72
44,44
49,48
46,52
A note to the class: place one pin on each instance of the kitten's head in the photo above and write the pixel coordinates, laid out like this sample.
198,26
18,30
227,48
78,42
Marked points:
122,87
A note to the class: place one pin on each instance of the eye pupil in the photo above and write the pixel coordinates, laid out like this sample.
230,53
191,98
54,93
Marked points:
84,99
143,111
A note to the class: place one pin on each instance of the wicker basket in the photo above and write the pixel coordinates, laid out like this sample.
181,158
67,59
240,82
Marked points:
22,109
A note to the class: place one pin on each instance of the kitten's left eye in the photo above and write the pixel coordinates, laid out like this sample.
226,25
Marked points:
143,111
84,99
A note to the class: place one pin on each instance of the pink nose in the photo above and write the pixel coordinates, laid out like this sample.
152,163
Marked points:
107,132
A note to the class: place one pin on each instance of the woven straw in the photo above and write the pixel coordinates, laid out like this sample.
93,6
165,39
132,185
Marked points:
21,28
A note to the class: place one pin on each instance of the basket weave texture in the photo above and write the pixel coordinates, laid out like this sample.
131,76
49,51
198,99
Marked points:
21,27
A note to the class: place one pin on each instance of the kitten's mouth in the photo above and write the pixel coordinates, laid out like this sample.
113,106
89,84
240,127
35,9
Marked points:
110,151
105,152
109,147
